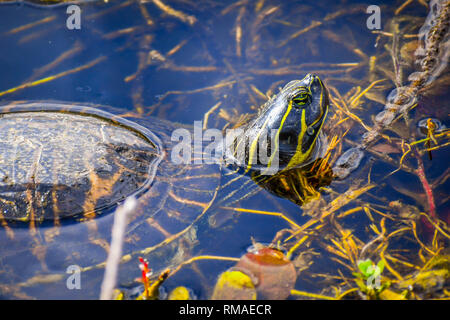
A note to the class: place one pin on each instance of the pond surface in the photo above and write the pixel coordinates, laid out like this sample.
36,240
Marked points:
218,62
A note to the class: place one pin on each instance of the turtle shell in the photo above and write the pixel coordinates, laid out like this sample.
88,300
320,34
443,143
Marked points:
64,169
60,164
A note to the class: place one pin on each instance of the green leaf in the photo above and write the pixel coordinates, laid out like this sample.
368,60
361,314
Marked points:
364,265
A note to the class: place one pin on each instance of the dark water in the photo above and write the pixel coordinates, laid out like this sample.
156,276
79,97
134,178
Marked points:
136,57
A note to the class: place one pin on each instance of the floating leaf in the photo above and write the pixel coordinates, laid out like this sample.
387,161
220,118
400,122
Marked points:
234,285
179,293
275,274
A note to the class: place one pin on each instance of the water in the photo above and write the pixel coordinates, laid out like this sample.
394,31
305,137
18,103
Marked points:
137,58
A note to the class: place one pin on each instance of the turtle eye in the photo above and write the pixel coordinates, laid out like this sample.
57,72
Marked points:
301,99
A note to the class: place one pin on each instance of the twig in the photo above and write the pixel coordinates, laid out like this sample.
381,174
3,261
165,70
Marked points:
118,232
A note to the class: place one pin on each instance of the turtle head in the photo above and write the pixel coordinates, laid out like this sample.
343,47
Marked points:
293,118
296,116
300,110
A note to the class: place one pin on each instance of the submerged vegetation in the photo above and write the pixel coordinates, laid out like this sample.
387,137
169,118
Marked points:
371,219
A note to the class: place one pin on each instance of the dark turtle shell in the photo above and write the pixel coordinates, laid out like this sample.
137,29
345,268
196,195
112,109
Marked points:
57,164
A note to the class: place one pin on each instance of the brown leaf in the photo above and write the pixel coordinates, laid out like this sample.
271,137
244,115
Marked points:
275,274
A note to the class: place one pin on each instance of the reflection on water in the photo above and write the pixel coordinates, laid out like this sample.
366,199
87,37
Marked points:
218,61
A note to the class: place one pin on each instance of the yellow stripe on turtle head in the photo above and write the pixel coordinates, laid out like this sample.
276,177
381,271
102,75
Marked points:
275,151
299,156
253,147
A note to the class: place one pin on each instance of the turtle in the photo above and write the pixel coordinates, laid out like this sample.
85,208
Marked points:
64,168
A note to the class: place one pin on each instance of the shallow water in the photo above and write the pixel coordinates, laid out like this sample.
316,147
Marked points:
138,58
